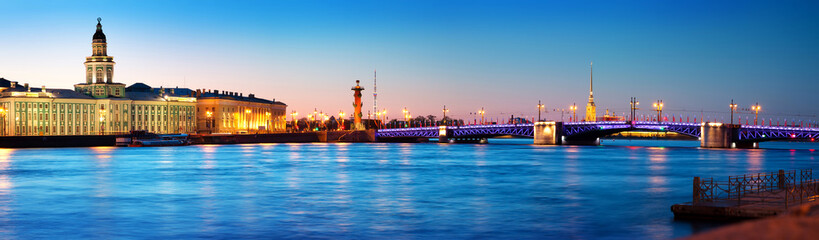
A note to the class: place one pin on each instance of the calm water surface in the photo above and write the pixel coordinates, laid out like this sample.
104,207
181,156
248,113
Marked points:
507,189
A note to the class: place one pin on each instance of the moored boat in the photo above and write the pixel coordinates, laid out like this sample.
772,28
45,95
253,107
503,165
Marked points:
145,139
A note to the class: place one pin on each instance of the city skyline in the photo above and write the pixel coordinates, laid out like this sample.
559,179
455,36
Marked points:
308,54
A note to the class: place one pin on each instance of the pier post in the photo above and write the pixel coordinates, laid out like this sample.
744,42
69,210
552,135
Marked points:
548,133
781,176
696,190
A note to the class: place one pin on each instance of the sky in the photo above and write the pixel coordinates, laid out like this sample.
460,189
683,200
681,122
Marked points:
503,56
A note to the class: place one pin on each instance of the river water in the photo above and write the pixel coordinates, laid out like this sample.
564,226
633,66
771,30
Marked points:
507,189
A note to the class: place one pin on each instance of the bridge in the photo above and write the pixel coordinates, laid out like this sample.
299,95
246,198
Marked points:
712,135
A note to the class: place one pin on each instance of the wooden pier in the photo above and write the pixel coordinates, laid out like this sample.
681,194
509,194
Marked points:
749,196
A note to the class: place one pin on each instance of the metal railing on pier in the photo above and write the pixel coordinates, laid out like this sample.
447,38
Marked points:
776,189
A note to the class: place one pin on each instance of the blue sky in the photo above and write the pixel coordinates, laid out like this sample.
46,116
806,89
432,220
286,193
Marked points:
500,55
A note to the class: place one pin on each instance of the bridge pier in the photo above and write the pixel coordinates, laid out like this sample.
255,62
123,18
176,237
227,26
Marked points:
716,135
548,133
719,135
443,134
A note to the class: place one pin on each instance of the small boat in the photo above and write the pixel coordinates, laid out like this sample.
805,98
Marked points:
144,139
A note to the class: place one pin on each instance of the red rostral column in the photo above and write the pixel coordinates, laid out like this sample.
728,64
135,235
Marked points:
357,105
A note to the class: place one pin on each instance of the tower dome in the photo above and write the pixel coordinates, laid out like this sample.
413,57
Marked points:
99,37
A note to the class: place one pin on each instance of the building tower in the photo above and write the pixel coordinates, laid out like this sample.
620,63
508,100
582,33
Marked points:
591,109
357,105
375,92
99,70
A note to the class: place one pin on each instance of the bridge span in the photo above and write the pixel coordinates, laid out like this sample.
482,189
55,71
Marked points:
711,135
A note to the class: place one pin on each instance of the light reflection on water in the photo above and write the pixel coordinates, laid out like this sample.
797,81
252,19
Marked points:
506,189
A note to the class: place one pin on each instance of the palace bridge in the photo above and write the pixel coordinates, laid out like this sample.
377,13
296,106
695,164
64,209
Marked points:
710,134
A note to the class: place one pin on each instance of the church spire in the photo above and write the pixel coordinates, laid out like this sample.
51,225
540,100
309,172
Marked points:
591,82
591,109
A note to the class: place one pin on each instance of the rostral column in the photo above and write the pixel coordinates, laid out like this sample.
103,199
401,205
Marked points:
357,104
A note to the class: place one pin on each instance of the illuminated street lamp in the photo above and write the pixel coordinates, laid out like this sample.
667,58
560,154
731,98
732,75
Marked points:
406,117
293,115
634,108
756,108
539,108
341,117
384,117
443,120
481,112
573,107
658,106
733,108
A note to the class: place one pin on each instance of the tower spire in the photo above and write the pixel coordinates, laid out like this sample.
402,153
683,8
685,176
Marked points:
591,82
591,109
375,91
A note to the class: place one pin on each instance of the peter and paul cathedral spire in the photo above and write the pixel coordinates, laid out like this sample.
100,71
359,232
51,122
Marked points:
591,109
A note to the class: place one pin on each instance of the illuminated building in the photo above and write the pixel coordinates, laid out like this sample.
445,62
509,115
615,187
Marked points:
102,106
99,106
231,112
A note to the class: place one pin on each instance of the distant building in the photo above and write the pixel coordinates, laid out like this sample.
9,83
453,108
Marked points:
102,106
230,112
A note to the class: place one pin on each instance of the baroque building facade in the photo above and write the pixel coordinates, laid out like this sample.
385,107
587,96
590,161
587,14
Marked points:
102,106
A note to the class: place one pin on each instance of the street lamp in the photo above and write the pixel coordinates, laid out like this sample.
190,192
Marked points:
573,107
293,115
634,108
384,117
658,106
405,111
756,109
443,120
733,108
341,117
481,112
539,108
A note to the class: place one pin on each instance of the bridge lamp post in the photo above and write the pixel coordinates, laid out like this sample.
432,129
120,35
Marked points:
384,117
658,106
539,109
443,120
733,108
481,112
756,109
406,112
634,108
573,107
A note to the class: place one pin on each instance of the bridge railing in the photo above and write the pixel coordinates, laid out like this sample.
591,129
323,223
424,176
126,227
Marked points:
783,188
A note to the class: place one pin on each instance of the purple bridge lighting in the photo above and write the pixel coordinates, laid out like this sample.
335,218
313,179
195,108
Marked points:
731,135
